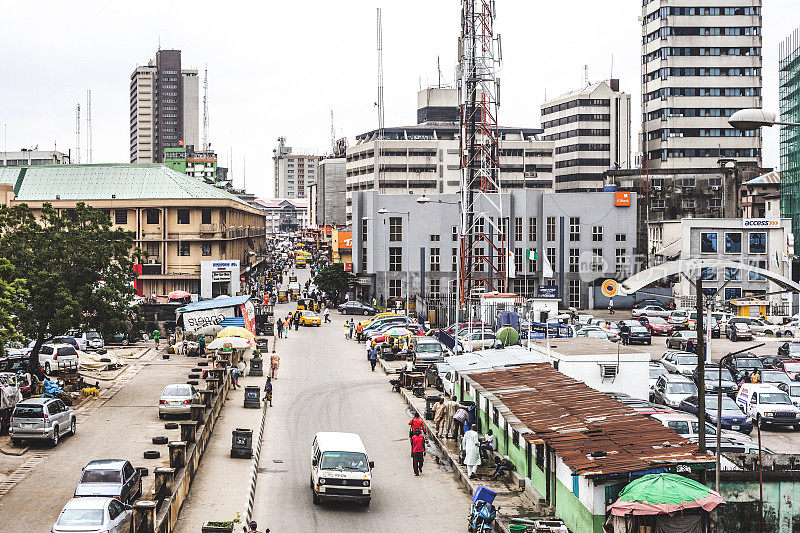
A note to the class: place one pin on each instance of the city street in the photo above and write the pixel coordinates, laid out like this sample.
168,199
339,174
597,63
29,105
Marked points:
120,428
325,384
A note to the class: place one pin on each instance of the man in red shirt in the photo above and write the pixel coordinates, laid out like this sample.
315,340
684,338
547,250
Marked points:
416,423
417,451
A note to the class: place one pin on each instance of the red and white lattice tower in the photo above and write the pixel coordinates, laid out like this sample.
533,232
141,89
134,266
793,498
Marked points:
483,244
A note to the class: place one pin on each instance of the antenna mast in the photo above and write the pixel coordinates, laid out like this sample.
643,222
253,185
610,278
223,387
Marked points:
89,126
78,135
205,110
483,226
380,100
333,136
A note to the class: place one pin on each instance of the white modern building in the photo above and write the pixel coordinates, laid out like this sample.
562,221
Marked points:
425,158
759,242
701,62
285,214
293,172
26,158
591,129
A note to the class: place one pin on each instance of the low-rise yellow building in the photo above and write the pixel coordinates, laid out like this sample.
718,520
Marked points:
176,219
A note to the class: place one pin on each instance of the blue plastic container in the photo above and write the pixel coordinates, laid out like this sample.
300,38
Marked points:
482,493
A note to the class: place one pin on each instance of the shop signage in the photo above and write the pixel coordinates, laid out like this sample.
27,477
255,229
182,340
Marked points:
761,223
547,291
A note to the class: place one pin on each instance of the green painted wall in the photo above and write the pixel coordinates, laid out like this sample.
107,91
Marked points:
740,513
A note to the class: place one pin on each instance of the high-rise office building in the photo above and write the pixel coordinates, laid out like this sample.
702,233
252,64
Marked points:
700,64
293,172
789,72
164,107
591,129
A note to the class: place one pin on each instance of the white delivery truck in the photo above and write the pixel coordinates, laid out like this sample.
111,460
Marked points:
340,468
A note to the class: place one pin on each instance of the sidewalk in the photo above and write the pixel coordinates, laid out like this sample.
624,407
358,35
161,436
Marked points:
220,490
514,503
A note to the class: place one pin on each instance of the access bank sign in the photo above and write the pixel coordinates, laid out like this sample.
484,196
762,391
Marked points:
761,223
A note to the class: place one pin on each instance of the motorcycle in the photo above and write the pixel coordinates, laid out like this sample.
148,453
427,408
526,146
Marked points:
481,517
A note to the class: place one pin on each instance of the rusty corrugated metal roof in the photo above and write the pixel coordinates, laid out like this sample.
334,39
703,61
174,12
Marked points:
592,433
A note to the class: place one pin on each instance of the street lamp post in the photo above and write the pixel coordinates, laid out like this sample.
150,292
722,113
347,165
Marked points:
426,200
753,119
384,211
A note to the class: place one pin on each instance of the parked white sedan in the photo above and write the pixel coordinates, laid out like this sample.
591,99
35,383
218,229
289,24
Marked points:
477,340
94,515
650,310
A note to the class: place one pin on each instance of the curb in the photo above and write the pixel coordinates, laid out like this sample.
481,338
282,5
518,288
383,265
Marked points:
251,494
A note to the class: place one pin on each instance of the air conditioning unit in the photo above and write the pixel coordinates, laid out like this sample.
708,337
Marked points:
608,371
153,260
656,187
715,187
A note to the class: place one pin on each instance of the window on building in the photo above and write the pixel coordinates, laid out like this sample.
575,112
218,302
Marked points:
454,235
184,249
658,203
454,259
435,260
715,203
395,288
153,216
395,229
364,232
689,182
479,262
518,261
551,229
551,258
364,259
733,243
575,293
518,236
732,274
597,233
597,259
532,229
574,260
755,276
205,214
435,286
480,226
503,226
621,237
708,242
620,262
120,216
183,216
206,248
758,242
687,203
708,273
434,238
395,259
574,229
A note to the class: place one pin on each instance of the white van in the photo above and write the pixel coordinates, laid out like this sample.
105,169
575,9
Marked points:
767,404
340,468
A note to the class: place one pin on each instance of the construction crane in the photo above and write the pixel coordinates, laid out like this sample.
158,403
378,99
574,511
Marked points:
483,223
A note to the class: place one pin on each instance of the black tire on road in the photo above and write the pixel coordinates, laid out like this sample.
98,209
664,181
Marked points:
202,363
171,425
366,313
194,376
192,382
160,439
54,440
16,442
47,368
314,497
152,454
72,428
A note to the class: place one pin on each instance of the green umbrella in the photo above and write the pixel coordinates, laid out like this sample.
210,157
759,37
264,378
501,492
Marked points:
397,333
664,493
508,335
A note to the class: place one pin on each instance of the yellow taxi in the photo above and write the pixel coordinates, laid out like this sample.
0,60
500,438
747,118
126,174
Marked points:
367,322
309,318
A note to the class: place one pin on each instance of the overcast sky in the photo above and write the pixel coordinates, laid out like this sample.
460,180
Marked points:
278,69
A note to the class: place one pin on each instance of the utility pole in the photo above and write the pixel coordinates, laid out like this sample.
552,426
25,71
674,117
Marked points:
89,126
78,135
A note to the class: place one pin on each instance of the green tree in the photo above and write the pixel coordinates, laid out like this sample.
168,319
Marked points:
78,270
12,291
333,279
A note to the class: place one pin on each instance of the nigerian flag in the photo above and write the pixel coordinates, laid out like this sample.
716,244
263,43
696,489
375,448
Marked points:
532,255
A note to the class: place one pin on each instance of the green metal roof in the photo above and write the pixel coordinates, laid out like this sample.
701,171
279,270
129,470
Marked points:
100,182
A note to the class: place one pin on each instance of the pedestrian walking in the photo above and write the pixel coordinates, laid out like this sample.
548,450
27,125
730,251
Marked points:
373,357
279,325
416,424
460,420
450,406
201,346
327,315
611,306
352,327
268,391
417,451
156,333
359,330
274,364
439,417
470,445
296,320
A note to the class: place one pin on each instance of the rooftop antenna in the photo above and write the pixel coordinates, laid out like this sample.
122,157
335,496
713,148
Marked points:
333,136
380,76
244,172
612,67
439,71
586,75
205,110
89,126
78,135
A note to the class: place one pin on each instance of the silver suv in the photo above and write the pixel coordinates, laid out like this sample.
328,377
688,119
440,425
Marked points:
41,419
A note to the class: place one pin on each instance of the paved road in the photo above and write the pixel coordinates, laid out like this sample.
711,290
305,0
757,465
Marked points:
121,428
325,384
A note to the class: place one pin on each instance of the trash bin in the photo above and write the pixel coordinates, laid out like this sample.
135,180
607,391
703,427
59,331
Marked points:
256,367
242,443
252,397
430,403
